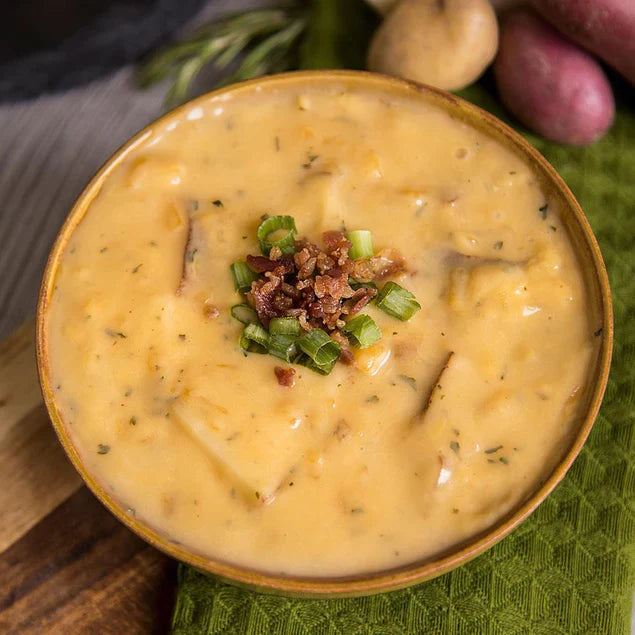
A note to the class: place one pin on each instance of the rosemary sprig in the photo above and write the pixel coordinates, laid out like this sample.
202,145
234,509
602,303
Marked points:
269,36
296,34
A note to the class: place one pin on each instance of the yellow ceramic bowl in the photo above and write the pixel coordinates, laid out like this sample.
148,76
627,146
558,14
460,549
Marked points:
599,295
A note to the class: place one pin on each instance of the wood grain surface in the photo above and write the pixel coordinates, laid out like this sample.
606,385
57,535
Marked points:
66,564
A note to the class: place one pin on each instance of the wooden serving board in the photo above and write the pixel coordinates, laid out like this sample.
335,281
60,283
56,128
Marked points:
66,564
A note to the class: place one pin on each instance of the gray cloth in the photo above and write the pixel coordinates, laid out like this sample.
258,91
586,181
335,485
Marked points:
119,33
51,147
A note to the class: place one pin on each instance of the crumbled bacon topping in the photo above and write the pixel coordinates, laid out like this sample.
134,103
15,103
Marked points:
286,376
313,284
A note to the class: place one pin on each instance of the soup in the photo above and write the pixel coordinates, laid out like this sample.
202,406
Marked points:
426,437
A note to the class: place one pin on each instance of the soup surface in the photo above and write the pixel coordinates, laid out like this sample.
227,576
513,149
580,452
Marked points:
434,433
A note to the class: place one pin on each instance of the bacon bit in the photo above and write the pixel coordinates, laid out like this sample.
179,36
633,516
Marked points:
312,284
359,300
346,356
300,257
324,262
290,290
260,264
304,323
286,376
385,263
275,253
337,245
307,269
335,240
261,298
303,243
282,302
336,287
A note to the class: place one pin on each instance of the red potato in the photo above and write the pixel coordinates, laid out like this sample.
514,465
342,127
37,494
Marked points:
551,85
604,27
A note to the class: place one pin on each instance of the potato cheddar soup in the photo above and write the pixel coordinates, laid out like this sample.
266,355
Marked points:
320,329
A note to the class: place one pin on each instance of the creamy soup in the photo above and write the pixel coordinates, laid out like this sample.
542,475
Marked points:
430,436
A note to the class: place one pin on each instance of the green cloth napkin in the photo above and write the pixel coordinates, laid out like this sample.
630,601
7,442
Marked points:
569,567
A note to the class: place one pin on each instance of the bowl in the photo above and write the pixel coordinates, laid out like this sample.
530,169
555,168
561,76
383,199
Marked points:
592,268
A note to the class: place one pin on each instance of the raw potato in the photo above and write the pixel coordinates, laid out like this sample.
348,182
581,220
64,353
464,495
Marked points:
551,85
444,43
604,27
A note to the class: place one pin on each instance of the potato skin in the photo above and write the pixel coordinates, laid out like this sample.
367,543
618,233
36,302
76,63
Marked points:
444,43
551,85
604,27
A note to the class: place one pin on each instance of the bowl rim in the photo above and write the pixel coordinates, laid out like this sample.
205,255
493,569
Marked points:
371,582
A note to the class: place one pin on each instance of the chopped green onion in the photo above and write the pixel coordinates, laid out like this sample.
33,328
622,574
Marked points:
285,326
362,241
356,284
274,224
254,339
243,276
397,301
321,349
283,346
305,360
244,314
362,331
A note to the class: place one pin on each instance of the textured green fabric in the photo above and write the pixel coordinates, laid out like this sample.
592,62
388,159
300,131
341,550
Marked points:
569,567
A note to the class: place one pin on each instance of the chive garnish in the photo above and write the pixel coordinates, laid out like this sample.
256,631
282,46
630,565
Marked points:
362,331
320,349
274,224
254,339
285,326
244,314
283,347
102,448
397,301
362,244
493,450
243,276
